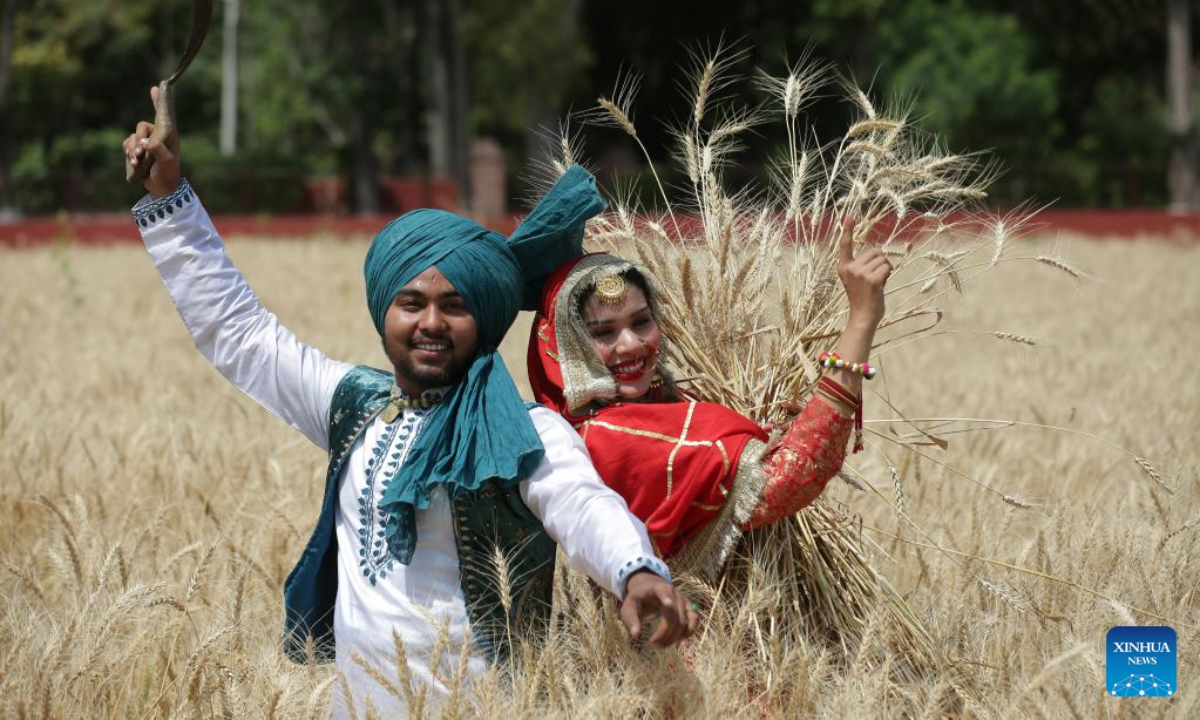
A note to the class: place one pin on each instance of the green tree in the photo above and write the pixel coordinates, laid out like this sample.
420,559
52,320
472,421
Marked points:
525,59
969,73
69,68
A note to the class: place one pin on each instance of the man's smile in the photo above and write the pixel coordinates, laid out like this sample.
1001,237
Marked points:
432,346
431,350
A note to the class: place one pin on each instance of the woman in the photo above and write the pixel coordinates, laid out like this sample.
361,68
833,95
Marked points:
697,473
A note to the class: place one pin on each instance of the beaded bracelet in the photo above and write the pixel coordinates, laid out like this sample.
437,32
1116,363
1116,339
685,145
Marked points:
830,360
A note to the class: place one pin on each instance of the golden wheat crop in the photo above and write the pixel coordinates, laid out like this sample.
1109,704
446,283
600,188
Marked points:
149,513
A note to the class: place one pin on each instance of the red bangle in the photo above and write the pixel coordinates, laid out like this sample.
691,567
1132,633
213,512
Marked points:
838,392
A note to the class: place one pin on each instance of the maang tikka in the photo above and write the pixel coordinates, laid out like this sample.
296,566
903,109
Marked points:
612,290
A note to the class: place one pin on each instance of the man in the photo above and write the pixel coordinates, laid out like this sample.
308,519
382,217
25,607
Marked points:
437,468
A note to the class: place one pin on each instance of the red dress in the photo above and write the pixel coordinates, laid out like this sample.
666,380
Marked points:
696,473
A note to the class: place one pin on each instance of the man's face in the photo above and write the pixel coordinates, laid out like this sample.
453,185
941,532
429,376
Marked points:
428,334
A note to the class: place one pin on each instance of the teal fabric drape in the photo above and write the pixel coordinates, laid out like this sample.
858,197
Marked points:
481,431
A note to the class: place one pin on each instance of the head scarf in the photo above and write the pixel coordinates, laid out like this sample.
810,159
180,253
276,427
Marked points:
481,431
573,378
688,469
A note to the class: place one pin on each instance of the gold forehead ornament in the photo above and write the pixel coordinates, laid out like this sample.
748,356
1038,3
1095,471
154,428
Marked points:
612,290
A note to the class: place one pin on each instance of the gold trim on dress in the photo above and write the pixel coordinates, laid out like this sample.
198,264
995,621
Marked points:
644,433
687,423
706,553
724,459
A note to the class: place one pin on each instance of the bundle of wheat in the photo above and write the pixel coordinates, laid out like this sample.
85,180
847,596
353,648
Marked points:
749,295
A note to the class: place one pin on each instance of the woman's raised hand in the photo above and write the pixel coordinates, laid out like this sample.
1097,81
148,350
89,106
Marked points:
165,174
864,278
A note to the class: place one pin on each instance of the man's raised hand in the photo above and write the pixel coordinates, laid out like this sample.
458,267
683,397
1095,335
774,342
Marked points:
647,595
164,174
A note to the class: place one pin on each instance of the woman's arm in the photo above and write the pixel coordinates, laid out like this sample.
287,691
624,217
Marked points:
814,446
802,462
864,278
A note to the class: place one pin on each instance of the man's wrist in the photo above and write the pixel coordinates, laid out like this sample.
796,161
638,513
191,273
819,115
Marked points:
150,210
644,563
158,193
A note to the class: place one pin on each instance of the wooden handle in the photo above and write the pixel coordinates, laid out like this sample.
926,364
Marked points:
164,132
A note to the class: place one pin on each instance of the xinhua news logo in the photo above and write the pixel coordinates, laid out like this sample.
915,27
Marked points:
1141,661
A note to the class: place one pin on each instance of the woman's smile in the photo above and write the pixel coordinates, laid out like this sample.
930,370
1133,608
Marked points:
630,370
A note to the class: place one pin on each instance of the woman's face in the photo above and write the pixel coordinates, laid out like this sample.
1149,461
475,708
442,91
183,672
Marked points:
626,338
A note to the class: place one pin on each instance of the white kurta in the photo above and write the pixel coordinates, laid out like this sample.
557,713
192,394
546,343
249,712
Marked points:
376,594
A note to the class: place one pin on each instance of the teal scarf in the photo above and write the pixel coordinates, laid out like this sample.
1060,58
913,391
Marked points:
481,431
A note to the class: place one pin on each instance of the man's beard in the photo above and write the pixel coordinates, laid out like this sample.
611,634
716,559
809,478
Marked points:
428,378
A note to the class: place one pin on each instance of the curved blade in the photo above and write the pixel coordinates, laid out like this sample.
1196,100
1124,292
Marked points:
164,110
201,18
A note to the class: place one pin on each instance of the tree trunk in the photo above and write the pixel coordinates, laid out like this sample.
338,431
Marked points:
366,169
6,140
414,98
446,117
364,166
543,124
1182,183
399,21
437,114
459,130
229,80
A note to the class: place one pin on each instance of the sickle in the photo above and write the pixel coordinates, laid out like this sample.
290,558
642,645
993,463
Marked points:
164,107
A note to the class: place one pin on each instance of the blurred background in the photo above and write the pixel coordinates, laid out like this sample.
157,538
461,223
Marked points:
348,107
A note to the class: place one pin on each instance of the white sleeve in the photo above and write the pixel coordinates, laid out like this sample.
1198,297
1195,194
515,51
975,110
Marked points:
243,341
589,521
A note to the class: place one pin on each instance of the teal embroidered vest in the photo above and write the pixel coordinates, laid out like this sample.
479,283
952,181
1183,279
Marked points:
485,521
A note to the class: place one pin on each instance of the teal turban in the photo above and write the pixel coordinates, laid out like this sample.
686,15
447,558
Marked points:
481,431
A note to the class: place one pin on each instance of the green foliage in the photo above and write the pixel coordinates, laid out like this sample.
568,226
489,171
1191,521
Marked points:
33,185
1070,101
526,56
289,94
1117,140
81,166
252,180
972,77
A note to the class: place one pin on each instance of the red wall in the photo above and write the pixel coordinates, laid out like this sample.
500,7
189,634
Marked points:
117,228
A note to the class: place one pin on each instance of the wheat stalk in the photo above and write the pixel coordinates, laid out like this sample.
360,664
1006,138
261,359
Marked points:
1059,264
1013,337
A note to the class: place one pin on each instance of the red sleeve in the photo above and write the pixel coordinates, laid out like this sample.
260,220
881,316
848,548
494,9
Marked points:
798,468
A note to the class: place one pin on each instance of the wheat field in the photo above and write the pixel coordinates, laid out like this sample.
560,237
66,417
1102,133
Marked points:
149,513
